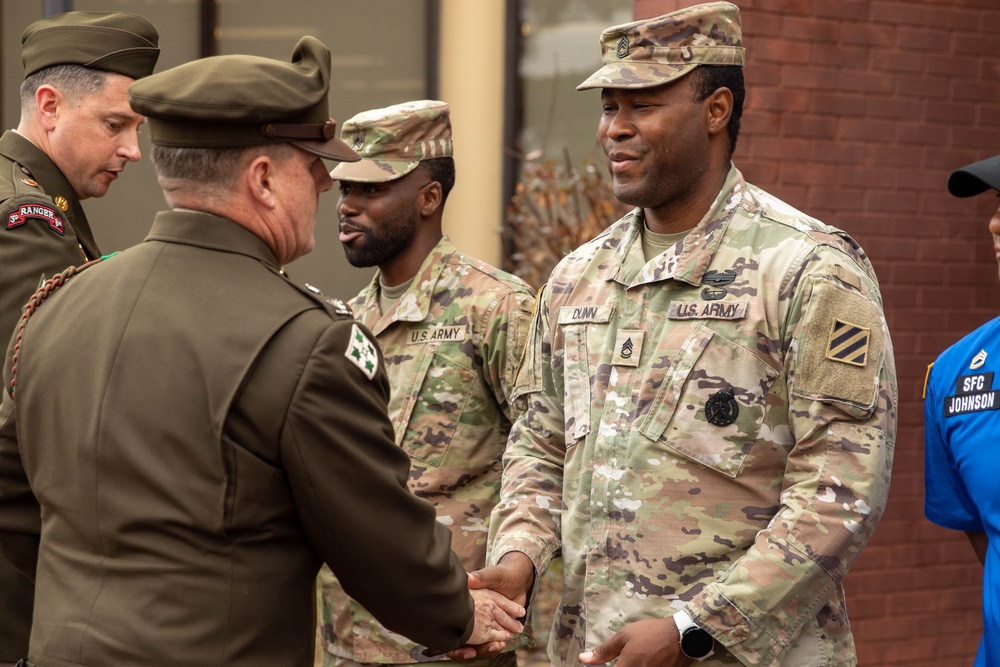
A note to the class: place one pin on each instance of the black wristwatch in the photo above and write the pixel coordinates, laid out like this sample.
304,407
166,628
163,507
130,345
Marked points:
696,643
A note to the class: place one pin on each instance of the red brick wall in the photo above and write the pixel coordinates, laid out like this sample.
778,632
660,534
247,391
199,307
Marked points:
857,111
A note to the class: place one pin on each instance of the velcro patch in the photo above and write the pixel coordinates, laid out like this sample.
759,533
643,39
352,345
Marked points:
848,343
362,353
840,345
713,310
451,334
628,348
46,214
585,314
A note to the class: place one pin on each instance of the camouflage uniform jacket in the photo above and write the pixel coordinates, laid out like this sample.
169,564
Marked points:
452,344
710,430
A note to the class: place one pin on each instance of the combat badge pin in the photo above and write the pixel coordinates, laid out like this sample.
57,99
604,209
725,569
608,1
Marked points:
716,281
721,408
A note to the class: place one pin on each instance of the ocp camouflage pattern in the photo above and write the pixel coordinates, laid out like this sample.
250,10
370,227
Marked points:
392,141
652,52
451,345
712,430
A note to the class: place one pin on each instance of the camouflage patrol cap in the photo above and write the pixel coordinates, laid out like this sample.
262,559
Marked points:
655,51
975,178
392,141
110,41
237,101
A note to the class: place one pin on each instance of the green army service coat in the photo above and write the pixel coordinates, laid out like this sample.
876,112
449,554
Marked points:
38,238
221,434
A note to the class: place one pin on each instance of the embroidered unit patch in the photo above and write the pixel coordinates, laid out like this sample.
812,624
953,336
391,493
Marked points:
46,214
848,343
362,352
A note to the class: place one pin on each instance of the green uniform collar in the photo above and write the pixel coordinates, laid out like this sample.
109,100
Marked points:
205,230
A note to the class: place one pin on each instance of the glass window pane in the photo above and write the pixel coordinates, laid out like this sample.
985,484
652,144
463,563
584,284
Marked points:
561,48
378,58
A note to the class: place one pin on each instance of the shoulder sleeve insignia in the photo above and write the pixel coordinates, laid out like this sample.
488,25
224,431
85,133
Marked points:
841,345
362,353
33,211
848,343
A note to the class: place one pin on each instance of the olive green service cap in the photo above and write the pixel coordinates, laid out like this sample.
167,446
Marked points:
975,178
392,141
238,101
655,51
113,42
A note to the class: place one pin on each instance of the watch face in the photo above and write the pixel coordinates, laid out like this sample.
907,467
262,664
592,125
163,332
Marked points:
696,643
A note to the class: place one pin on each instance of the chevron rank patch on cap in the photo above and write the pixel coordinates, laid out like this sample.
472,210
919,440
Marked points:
848,343
362,353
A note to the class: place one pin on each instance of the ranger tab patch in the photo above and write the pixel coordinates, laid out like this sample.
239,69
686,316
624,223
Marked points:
41,212
362,353
848,343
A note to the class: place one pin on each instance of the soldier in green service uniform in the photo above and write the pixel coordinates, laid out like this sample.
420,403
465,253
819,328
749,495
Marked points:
76,134
452,329
174,490
711,391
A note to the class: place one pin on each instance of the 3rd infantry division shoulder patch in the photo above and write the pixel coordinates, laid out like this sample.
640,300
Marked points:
848,343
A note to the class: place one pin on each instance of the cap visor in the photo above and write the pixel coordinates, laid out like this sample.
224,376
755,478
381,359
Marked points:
373,171
331,149
629,74
975,178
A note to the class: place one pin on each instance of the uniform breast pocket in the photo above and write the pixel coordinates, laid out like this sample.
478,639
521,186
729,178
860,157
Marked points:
711,404
577,324
436,409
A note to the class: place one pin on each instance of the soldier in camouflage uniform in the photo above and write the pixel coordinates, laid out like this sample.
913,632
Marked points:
452,329
711,391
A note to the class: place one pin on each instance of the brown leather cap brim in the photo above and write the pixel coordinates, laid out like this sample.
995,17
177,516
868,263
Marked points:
331,149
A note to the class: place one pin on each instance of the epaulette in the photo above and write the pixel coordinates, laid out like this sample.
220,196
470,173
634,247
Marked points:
34,303
24,199
333,306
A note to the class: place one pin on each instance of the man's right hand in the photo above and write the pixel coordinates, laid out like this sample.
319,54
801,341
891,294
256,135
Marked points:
513,577
510,580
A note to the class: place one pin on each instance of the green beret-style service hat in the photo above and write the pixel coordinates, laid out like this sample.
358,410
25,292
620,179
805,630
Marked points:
655,51
392,141
239,100
110,41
